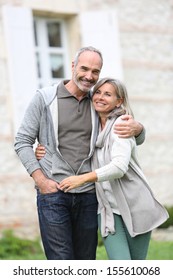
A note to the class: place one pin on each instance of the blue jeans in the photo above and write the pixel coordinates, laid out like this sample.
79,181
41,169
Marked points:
68,225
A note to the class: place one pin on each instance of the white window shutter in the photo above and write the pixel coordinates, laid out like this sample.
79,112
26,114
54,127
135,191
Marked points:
19,37
100,29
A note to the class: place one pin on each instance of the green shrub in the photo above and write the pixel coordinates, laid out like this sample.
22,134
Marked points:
169,222
12,247
100,241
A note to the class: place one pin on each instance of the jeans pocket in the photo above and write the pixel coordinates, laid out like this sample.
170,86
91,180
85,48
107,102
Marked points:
52,209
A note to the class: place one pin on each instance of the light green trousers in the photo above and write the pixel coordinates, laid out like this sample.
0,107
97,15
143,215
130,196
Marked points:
121,246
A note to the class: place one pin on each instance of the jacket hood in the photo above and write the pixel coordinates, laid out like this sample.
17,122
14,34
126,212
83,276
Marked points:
49,93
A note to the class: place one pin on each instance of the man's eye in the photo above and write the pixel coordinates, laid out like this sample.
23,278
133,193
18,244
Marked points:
96,72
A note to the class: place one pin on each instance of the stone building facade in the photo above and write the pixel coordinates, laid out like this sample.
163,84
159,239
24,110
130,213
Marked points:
136,39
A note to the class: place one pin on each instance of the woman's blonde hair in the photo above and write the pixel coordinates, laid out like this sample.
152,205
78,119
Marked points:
121,92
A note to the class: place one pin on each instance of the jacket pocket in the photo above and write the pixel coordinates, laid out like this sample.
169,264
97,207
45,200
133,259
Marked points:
60,166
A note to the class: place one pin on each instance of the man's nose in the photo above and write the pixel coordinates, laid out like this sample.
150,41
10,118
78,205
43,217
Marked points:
89,75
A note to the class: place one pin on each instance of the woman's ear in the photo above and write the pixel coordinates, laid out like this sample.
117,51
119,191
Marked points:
120,102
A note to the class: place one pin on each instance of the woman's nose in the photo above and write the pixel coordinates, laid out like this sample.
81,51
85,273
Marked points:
101,96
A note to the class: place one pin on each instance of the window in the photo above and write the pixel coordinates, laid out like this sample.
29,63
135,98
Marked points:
50,50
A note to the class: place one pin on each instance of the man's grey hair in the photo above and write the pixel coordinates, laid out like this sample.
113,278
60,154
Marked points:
86,49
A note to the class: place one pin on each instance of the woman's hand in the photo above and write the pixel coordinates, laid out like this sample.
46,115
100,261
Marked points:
40,152
71,182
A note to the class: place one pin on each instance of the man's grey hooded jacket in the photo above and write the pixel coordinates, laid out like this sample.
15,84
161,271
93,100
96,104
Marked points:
41,123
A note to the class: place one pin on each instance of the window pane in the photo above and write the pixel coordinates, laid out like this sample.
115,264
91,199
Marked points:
35,33
54,34
38,65
57,67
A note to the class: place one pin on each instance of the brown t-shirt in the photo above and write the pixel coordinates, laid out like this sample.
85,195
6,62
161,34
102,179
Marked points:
74,127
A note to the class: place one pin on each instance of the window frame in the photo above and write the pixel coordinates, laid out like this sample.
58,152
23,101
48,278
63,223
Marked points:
44,50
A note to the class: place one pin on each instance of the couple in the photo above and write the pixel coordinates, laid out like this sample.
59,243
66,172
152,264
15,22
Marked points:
63,119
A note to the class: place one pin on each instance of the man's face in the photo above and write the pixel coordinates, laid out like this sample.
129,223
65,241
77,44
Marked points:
86,72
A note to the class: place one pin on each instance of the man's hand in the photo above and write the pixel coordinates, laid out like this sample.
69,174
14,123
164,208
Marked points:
128,127
44,184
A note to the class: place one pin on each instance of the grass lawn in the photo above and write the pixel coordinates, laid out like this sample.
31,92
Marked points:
14,248
158,250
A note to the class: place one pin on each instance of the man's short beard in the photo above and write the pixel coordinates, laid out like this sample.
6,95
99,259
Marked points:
81,87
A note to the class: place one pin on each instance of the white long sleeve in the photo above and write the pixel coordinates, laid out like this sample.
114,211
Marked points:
120,155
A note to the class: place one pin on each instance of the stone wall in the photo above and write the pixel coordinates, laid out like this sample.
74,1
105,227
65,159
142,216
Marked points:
146,32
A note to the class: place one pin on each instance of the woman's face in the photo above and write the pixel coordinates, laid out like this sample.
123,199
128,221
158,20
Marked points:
105,99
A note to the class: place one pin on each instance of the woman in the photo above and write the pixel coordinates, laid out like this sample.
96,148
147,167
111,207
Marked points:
128,210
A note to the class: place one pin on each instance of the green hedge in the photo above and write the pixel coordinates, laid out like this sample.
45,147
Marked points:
12,247
169,222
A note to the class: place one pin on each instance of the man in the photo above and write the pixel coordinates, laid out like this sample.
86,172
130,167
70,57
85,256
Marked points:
61,118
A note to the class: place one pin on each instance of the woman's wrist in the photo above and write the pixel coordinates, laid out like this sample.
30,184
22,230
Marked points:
89,177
